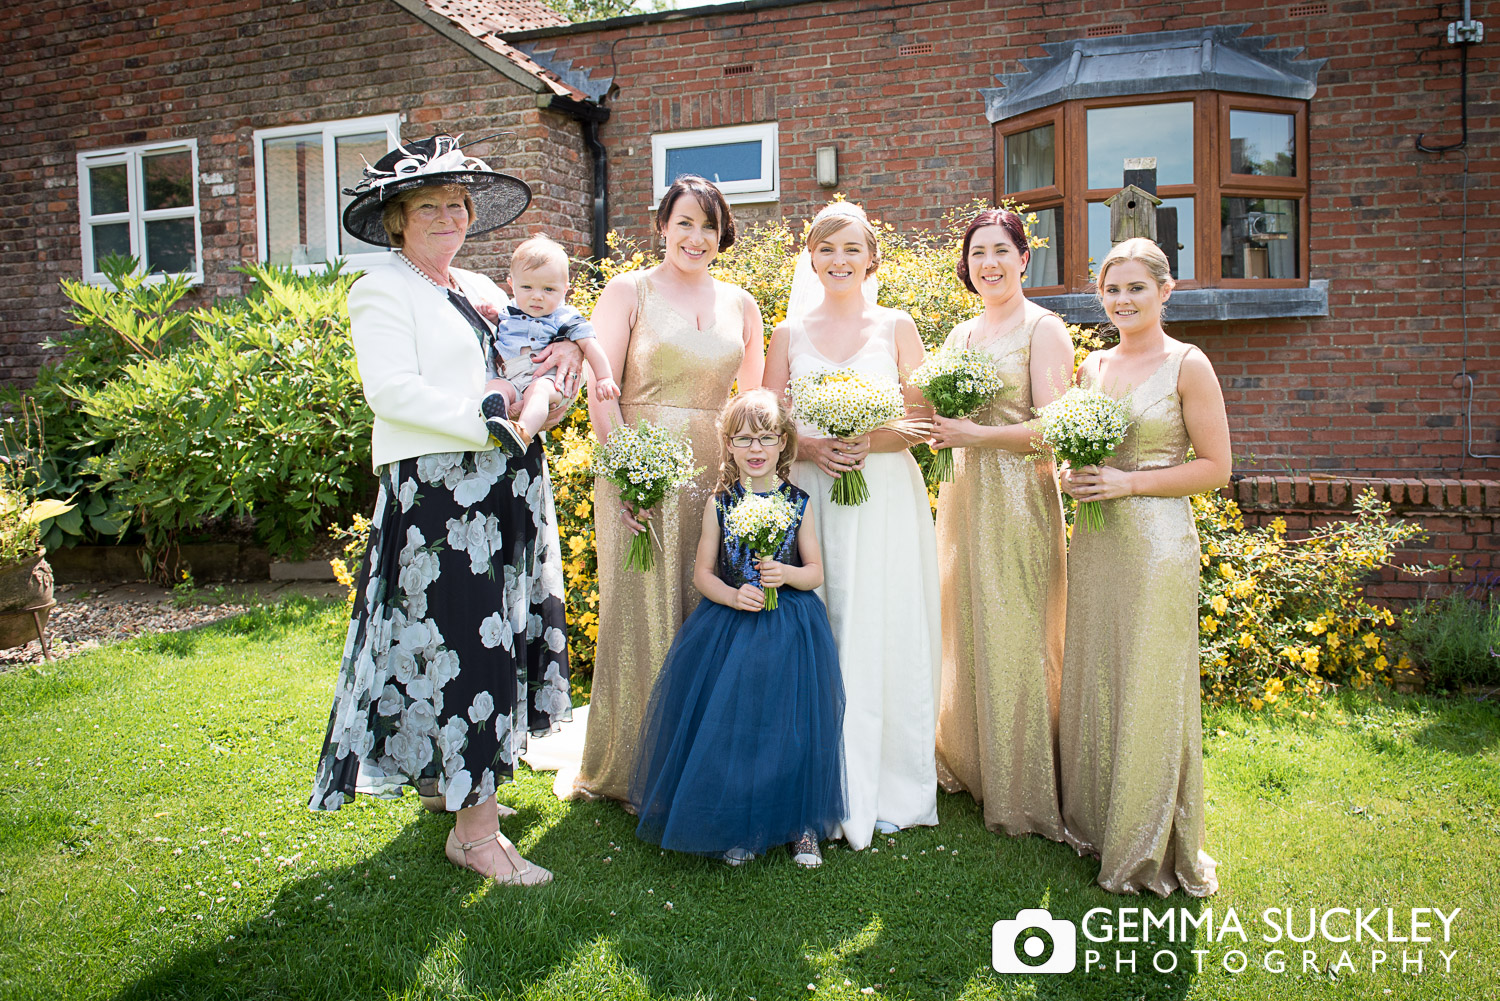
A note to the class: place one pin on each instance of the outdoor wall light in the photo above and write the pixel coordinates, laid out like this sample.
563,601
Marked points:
828,166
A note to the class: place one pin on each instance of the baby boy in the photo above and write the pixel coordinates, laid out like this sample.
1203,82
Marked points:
538,317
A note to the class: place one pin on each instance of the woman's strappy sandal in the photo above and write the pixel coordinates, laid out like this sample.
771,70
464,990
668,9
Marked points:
805,851
523,873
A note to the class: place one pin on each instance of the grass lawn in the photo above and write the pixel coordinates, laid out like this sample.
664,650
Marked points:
154,843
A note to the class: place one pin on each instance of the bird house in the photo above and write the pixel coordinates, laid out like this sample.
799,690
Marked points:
1132,213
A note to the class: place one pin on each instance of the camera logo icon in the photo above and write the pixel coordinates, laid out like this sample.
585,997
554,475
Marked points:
1034,942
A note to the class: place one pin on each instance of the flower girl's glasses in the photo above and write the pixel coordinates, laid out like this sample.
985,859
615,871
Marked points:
764,441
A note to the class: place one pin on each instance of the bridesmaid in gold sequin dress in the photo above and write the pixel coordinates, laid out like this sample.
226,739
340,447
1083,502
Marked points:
1001,552
1131,727
680,339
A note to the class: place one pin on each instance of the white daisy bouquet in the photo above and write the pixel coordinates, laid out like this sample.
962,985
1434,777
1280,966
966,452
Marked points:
842,403
647,463
761,522
1083,427
958,382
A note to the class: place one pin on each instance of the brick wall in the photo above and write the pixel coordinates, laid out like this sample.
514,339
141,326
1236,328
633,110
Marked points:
87,76
1369,390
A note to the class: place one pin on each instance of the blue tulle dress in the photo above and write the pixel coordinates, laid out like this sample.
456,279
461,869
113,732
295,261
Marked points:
742,741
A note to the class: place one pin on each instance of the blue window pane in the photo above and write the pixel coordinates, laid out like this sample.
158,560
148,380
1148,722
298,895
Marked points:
1164,131
1262,142
719,163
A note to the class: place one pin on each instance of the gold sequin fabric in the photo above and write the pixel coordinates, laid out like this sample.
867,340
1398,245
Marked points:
677,376
1002,559
1130,728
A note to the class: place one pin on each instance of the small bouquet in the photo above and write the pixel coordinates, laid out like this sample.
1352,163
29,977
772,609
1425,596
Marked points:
958,382
647,463
1083,427
761,522
844,404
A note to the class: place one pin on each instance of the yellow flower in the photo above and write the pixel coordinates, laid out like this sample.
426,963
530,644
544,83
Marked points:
1278,525
1226,571
1274,688
1256,704
1210,624
575,545
1390,619
1381,663
1310,658
1292,654
1220,604
1246,641
1316,628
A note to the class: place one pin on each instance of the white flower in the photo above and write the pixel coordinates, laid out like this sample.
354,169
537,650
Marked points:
519,484
472,489
402,664
486,779
846,404
414,541
443,668
494,631
434,467
452,737
556,640
419,717
483,707
411,752
407,494
391,701
459,785
420,687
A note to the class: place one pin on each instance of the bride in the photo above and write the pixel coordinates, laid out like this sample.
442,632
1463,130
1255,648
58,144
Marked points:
881,572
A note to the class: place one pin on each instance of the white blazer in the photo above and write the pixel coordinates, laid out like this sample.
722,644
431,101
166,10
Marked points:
420,361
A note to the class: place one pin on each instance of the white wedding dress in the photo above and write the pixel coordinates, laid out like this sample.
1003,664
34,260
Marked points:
881,588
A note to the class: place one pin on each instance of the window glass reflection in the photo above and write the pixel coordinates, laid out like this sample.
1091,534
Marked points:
1030,159
108,189
1164,131
1099,242
1258,237
295,229
1262,142
350,155
719,163
170,246
167,180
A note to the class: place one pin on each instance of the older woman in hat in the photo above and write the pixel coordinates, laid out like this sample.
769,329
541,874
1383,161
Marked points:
457,647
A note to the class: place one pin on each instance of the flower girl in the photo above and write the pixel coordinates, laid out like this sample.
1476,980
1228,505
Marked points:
741,744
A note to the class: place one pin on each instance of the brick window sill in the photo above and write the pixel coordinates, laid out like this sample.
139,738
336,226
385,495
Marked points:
1203,305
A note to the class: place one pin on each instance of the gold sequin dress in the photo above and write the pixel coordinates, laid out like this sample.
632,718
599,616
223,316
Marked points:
1002,559
1131,729
677,376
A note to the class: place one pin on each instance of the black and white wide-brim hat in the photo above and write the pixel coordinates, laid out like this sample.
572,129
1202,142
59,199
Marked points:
498,198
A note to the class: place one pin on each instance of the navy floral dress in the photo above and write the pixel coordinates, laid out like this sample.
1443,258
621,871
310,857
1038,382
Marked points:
742,741
457,648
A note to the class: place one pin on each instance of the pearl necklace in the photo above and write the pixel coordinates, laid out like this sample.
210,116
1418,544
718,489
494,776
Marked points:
425,276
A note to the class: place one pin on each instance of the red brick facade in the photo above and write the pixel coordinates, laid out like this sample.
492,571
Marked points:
84,77
1370,391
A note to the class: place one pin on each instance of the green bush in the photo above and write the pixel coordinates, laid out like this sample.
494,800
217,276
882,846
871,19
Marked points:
1281,617
1455,639
131,322
260,416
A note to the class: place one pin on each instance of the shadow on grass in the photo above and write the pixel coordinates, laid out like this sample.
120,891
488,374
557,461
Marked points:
909,920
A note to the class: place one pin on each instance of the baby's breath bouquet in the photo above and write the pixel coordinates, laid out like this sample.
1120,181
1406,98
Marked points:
842,403
761,522
646,462
958,382
1083,427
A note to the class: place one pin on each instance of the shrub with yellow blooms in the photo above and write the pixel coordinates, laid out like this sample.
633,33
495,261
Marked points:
1281,617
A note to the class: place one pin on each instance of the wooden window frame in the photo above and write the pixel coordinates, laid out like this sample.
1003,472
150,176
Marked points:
1212,181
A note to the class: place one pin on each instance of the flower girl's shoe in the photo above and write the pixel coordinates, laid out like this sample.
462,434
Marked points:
805,851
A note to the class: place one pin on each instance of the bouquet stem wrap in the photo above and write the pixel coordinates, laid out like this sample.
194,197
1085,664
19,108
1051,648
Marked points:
647,463
845,404
1083,427
761,522
958,382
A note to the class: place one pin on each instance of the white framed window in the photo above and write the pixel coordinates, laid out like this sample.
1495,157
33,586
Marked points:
301,172
141,201
740,159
